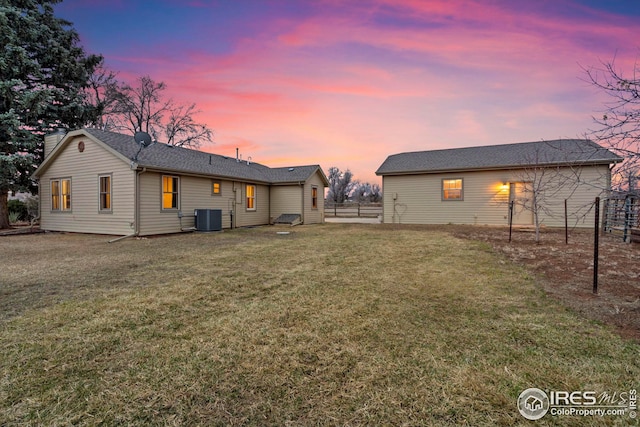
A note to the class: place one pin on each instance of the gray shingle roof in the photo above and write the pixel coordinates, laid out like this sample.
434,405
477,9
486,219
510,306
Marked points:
183,160
508,156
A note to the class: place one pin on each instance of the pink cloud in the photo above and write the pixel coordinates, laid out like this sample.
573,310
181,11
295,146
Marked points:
339,88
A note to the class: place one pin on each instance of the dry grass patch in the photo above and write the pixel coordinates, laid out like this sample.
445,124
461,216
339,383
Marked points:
335,324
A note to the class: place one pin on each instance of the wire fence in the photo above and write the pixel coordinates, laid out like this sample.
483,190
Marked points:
352,210
622,216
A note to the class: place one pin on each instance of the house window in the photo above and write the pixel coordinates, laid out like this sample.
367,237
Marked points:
314,197
105,193
61,194
170,192
216,188
251,197
452,189
55,195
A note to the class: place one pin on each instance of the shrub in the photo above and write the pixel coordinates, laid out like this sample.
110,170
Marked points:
19,208
14,217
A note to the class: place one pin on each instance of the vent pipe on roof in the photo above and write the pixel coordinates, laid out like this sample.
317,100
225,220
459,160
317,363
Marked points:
237,154
248,160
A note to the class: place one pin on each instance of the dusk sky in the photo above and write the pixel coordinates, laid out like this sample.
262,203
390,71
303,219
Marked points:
347,83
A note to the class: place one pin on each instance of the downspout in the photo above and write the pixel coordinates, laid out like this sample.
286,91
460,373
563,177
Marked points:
301,184
234,212
270,218
136,207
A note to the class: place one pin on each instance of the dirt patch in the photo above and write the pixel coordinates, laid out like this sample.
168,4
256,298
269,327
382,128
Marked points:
567,270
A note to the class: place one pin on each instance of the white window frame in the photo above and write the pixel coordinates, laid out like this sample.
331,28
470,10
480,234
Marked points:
109,192
64,199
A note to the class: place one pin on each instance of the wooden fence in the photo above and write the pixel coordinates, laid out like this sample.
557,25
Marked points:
352,210
622,216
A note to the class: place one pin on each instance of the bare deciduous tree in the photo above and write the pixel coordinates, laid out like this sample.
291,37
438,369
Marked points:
182,130
102,92
552,174
341,185
143,107
366,192
542,191
618,127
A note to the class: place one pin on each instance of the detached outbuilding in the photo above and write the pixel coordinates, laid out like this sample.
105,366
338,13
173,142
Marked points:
475,185
93,181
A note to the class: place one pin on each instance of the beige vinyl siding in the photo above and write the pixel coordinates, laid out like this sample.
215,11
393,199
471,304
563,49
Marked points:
259,216
84,168
197,194
593,181
194,193
418,198
311,215
286,199
296,199
153,219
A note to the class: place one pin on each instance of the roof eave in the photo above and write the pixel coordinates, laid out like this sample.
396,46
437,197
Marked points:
183,172
495,168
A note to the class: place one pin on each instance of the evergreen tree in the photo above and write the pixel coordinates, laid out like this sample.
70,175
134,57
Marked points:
43,75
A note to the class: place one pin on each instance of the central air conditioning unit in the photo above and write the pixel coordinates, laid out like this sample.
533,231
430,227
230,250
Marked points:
208,219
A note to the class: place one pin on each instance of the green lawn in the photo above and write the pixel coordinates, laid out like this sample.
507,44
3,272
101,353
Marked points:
329,325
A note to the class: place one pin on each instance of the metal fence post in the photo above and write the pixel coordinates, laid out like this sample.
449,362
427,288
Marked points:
510,219
566,224
595,245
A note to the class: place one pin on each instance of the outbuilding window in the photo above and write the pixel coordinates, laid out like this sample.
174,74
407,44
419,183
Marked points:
452,189
314,197
216,188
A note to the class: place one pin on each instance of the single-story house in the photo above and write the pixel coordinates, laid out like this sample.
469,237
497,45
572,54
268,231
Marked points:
93,181
476,185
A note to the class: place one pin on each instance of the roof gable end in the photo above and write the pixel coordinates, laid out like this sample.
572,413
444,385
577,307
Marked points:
64,143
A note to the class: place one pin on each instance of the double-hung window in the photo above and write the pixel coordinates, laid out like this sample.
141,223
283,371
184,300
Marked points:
251,197
61,194
314,197
452,189
104,183
170,192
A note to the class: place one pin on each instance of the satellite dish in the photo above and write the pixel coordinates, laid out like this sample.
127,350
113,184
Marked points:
143,139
